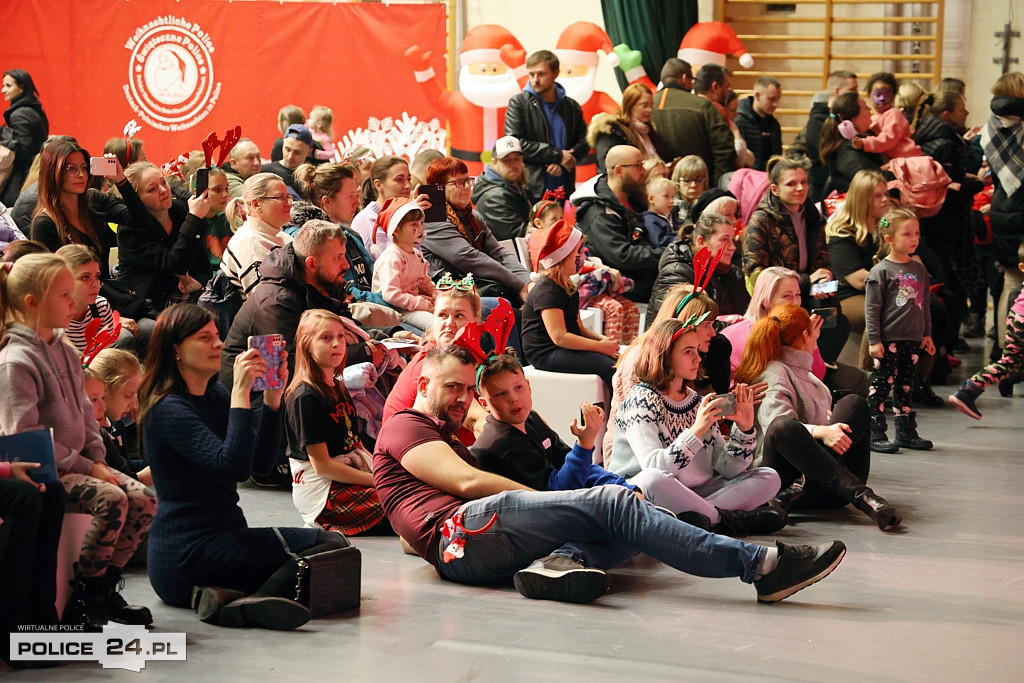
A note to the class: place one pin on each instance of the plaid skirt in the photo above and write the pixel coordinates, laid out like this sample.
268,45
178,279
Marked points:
350,509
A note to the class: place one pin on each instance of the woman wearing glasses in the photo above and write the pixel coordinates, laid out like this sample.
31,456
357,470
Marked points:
463,244
266,207
68,211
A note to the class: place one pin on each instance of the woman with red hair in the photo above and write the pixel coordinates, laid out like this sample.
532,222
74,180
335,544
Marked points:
823,456
462,243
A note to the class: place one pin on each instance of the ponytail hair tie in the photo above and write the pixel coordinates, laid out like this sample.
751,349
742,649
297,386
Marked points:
8,265
884,222
833,116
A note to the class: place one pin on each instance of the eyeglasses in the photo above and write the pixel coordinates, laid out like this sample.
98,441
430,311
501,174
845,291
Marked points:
73,170
464,285
278,197
462,183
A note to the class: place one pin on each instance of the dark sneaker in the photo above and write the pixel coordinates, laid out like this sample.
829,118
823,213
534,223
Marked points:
757,522
279,478
276,614
559,577
964,398
798,566
697,519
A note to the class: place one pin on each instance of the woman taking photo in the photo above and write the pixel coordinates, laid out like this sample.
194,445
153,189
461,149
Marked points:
630,124
68,211
462,243
200,440
161,253
822,456
27,128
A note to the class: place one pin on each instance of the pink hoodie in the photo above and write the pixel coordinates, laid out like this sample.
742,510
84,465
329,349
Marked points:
892,136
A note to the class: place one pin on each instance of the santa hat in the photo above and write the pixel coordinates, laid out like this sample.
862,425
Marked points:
709,41
483,45
580,42
390,216
549,246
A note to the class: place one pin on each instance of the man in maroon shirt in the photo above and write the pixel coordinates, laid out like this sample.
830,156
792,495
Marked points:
481,528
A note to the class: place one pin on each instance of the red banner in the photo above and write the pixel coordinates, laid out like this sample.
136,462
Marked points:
174,71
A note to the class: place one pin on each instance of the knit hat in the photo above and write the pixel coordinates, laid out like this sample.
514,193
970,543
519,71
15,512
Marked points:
300,133
709,41
580,42
548,247
505,146
705,198
391,215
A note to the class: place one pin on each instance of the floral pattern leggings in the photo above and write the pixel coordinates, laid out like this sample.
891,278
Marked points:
121,516
1012,363
893,371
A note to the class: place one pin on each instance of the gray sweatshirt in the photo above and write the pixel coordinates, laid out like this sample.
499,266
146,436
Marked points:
42,385
896,306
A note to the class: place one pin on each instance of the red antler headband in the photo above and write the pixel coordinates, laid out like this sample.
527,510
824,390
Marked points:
99,337
499,325
703,268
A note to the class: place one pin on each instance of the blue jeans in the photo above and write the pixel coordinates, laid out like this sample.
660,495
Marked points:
603,526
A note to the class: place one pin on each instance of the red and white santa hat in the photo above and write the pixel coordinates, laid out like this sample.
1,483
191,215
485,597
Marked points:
483,43
550,246
709,42
580,42
391,215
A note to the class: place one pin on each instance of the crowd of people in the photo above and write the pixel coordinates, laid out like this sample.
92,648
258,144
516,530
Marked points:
355,329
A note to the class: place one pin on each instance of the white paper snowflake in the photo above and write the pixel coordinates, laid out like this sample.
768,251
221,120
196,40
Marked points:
406,136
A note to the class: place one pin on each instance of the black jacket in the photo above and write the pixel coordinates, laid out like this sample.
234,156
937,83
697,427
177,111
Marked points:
505,206
729,290
1007,211
818,174
30,128
525,119
103,210
616,235
763,135
275,306
845,163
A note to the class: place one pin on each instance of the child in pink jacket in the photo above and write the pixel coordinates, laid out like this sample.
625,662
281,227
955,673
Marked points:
401,273
891,128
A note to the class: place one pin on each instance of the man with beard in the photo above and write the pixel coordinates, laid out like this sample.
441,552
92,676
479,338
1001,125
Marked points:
608,210
692,124
500,193
553,545
550,128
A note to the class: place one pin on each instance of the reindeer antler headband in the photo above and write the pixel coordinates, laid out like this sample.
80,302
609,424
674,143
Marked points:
703,268
498,325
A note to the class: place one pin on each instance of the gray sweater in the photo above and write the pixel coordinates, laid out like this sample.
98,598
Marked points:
793,391
896,306
42,385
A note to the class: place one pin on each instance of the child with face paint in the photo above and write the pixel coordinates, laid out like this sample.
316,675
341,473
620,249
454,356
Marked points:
889,125
554,337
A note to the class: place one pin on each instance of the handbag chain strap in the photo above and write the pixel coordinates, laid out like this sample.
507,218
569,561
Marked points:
301,563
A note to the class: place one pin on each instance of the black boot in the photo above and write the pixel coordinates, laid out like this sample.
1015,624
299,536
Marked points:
232,608
757,522
87,605
924,395
879,442
118,607
851,489
906,433
1006,386
786,498
965,396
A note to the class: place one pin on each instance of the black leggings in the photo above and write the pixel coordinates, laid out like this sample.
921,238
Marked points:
282,582
790,450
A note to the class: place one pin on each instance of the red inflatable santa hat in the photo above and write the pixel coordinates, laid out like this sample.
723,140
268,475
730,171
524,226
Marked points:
483,45
580,42
709,42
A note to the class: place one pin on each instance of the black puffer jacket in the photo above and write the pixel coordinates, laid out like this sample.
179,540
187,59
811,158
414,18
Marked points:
1007,211
29,128
728,289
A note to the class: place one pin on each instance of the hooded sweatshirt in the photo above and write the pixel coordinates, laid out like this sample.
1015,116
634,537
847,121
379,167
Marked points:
43,386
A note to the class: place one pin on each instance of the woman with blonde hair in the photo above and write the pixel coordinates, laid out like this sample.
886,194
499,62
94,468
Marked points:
822,455
266,207
630,124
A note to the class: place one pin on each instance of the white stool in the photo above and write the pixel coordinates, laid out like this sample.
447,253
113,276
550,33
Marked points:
557,397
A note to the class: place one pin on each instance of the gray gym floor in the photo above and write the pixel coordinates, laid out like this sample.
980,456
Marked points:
942,600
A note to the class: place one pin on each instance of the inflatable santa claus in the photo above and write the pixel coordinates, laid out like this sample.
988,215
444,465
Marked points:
492,68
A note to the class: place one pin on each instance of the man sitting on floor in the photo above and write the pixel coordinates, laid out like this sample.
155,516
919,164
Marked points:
480,528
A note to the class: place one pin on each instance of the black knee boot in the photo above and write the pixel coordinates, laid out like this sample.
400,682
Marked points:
227,607
848,487
87,605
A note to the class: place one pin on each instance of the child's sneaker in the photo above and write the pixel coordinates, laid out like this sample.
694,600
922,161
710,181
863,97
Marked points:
965,396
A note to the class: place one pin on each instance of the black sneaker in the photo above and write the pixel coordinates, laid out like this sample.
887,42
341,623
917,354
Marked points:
559,577
279,478
798,566
276,614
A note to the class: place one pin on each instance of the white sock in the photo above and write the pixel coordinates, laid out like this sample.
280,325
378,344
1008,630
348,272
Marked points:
771,558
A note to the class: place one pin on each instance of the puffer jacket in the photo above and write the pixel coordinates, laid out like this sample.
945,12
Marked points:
770,240
676,267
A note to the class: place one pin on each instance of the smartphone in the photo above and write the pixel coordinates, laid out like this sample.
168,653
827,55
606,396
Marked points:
727,404
436,213
829,287
827,315
202,181
583,422
103,166
270,347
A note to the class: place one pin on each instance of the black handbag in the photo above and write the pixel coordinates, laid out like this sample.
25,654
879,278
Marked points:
326,582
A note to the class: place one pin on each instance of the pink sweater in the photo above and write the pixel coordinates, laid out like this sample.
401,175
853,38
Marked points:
892,136
403,279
